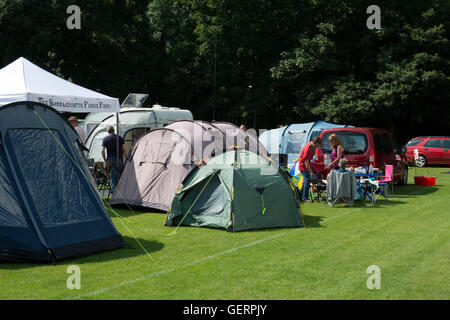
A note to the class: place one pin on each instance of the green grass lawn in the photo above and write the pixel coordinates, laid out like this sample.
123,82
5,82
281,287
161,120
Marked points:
406,236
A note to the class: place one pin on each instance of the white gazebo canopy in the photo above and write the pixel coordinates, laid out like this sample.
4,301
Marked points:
21,80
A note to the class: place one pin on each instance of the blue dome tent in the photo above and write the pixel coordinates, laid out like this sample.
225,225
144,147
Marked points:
49,209
290,139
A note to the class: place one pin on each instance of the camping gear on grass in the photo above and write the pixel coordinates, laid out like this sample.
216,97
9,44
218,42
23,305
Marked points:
236,190
424,181
49,208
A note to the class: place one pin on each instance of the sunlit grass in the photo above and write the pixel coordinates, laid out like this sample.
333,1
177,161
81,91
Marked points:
407,237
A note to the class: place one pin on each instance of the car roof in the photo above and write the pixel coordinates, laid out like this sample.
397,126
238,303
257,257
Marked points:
431,137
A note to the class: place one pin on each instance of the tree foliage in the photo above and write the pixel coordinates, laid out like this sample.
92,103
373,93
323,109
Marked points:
255,61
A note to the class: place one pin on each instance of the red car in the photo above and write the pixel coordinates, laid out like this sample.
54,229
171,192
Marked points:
365,146
430,150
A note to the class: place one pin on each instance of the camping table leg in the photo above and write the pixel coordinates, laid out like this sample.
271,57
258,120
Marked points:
372,191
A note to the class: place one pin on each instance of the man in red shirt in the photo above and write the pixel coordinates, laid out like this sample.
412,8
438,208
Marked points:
304,166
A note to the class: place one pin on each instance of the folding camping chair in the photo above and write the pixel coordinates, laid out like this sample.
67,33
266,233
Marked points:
386,182
370,189
318,188
102,178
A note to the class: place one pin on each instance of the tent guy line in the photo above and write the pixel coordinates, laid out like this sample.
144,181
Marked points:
85,176
251,244
162,272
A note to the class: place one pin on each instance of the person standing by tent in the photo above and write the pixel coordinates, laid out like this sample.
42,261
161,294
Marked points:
304,166
338,151
81,133
110,145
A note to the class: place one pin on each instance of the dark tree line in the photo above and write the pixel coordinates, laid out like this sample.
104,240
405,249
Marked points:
259,62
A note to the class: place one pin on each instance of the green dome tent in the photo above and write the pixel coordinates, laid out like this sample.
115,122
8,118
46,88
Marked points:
236,190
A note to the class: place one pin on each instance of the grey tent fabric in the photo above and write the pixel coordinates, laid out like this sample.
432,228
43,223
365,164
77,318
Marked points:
212,200
160,161
200,139
341,185
235,136
218,135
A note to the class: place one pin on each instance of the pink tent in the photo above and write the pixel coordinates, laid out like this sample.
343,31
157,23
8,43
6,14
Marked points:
159,162
235,136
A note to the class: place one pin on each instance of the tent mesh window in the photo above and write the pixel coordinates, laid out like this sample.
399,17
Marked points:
294,142
10,212
40,158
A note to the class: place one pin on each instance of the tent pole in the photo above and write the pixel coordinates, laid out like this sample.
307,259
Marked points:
117,145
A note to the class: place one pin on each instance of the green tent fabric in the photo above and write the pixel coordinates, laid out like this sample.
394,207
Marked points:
236,190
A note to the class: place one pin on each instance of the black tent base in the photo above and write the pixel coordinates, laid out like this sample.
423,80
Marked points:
60,253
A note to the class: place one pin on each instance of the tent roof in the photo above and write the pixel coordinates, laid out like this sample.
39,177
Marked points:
22,80
271,139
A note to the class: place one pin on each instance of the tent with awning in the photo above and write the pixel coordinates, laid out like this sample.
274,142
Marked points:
21,80
290,139
49,207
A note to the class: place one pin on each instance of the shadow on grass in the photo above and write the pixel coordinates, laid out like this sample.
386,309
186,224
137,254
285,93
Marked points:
125,211
412,190
131,249
313,221
380,203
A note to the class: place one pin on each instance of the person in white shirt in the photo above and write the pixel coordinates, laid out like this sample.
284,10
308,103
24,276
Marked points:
81,133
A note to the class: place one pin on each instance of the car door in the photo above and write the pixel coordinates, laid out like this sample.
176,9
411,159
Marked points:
446,152
384,151
433,151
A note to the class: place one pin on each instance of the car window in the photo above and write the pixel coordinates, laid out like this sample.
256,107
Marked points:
353,142
382,143
434,143
447,144
414,142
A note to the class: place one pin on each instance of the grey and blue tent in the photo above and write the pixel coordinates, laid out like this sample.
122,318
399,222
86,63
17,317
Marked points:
49,209
290,139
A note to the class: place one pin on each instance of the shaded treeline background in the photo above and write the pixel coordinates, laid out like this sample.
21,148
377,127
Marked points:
276,62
